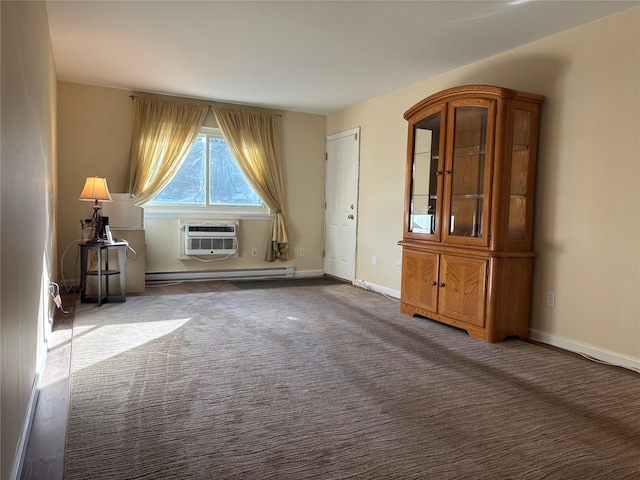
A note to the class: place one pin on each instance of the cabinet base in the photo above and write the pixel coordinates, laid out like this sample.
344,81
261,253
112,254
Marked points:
483,334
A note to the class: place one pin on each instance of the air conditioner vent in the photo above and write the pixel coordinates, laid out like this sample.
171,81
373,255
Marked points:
210,230
204,239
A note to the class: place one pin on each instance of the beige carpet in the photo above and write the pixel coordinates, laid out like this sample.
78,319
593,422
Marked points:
332,382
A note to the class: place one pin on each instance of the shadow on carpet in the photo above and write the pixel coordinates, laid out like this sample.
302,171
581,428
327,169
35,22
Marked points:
287,282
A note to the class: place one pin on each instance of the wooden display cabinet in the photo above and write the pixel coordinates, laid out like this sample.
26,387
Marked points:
468,221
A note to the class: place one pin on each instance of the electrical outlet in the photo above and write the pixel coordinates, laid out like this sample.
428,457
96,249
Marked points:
302,252
374,260
254,252
551,299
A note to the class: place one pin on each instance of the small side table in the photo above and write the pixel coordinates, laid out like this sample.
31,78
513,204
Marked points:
102,272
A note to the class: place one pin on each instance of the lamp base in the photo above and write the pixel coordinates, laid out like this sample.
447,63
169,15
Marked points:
96,227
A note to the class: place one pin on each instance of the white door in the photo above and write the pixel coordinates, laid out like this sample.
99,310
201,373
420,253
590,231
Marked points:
341,209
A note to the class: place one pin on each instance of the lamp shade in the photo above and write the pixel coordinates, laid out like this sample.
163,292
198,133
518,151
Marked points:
95,189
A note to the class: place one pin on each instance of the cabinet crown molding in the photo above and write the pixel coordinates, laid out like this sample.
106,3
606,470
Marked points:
476,91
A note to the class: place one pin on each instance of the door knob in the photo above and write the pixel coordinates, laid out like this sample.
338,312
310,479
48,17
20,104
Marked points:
442,284
434,283
352,207
350,217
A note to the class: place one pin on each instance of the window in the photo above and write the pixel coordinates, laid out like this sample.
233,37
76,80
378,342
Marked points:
209,181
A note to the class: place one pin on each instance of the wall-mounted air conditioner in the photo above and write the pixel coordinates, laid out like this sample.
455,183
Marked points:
206,239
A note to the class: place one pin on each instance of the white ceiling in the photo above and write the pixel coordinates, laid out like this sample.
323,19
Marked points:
307,56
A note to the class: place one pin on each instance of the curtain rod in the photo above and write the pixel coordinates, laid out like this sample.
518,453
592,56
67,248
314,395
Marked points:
133,97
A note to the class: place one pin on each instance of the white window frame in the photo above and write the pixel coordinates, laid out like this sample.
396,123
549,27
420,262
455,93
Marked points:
221,212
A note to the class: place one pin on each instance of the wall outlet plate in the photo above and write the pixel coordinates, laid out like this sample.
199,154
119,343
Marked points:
551,299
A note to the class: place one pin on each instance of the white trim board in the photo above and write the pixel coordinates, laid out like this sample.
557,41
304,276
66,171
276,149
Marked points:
23,441
377,288
589,351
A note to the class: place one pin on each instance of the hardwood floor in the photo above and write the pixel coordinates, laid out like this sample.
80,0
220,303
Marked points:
44,457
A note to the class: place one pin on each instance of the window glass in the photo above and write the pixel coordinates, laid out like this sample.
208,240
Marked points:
209,178
188,185
227,185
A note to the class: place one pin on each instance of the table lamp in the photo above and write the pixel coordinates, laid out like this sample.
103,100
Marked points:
95,190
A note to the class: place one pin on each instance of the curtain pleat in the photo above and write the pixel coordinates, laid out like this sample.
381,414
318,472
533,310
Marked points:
163,134
253,139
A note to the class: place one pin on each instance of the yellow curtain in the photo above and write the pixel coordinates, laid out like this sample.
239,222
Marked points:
162,137
253,139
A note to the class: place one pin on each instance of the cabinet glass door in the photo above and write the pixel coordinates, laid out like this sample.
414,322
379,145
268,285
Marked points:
426,171
467,172
520,166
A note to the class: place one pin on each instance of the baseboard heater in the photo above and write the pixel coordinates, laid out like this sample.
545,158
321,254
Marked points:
152,277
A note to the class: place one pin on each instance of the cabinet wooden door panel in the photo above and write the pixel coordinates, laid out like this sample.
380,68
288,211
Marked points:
419,279
462,288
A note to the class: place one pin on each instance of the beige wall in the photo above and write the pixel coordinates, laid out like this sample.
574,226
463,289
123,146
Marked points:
94,131
27,203
94,139
588,198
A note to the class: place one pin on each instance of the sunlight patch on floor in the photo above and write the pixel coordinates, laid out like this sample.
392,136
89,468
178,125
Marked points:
93,344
